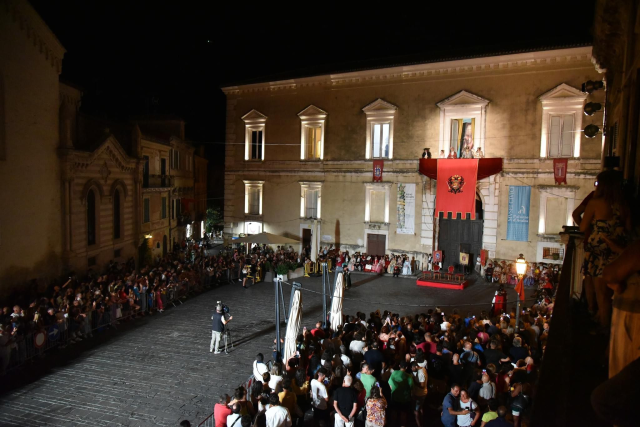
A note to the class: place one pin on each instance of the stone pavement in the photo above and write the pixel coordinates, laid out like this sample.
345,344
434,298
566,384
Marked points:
158,370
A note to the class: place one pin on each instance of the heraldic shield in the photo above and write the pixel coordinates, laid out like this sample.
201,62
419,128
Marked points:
456,190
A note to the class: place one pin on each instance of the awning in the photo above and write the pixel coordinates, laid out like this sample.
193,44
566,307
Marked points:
486,167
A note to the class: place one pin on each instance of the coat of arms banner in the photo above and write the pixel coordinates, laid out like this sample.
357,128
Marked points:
456,189
378,166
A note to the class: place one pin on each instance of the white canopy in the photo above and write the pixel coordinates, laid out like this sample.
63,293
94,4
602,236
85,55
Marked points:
335,318
293,326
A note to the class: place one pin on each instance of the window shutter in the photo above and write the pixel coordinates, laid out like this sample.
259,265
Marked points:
375,130
567,136
309,148
555,129
385,140
376,208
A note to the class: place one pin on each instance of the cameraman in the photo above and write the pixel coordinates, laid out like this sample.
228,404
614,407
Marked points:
219,322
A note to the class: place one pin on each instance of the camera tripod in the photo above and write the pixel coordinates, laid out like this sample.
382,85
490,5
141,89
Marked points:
227,339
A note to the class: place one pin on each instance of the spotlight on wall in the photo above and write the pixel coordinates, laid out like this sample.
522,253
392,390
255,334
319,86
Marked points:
148,236
591,108
591,86
591,131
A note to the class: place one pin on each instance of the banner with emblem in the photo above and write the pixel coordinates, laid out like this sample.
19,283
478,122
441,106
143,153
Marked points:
456,187
560,170
378,166
406,209
518,213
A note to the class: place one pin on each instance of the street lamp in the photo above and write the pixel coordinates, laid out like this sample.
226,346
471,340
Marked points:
521,268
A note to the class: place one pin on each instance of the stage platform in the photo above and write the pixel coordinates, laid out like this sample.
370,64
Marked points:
442,284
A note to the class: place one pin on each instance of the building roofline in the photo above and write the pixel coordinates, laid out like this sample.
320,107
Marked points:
453,64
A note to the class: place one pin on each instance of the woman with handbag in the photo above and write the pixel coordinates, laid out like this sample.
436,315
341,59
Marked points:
375,409
471,418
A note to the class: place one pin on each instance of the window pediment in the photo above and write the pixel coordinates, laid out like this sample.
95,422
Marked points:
380,106
312,113
562,93
463,98
254,116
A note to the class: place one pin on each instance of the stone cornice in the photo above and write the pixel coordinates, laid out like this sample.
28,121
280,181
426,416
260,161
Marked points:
520,61
36,30
77,160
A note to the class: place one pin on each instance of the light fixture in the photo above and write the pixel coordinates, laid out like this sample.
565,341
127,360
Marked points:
591,108
521,265
591,131
148,236
590,86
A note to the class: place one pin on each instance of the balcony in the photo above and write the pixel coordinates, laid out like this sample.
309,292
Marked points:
574,359
156,182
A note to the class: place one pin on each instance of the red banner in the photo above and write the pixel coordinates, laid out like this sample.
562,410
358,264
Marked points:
378,166
560,170
484,257
456,190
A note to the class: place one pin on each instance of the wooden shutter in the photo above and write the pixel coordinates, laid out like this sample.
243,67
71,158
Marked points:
566,148
555,135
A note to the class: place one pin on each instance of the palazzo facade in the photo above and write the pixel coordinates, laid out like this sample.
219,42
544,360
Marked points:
300,153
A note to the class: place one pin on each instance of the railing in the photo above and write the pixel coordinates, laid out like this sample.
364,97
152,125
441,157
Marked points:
551,403
156,181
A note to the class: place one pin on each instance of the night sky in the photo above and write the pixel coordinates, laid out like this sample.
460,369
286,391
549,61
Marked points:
140,57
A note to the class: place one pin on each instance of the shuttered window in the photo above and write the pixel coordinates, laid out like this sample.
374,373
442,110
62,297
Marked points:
561,135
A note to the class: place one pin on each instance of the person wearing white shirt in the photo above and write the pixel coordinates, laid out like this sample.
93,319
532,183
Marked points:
275,383
357,345
276,415
234,419
444,325
259,367
319,396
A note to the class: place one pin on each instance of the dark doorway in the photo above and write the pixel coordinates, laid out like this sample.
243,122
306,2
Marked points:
458,235
163,172
145,172
306,237
376,244
164,245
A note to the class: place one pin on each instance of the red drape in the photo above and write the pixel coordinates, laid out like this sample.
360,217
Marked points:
378,167
456,189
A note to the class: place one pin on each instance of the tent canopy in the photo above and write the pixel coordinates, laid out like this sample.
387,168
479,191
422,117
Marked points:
265,239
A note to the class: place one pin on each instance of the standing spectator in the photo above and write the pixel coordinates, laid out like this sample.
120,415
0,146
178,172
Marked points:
419,391
401,384
488,389
276,415
345,402
501,421
221,411
259,367
518,352
472,415
288,399
275,383
376,409
232,420
451,407
217,328
491,414
320,397
375,359
455,370
367,379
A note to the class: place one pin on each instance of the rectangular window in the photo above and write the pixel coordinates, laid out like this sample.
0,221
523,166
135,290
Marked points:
561,135
380,140
549,253
556,215
313,140
178,208
145,216
311,203
164,207
256,145
254,201
377,208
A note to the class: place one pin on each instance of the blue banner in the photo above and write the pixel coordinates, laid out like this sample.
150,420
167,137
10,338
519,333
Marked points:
518,219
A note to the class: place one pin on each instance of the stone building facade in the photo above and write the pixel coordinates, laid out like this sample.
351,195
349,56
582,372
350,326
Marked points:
31,217
299,154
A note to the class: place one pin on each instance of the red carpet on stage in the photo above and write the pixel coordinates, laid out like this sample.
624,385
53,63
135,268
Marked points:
442,284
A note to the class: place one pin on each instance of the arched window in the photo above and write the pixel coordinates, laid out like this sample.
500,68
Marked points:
116,214
91,217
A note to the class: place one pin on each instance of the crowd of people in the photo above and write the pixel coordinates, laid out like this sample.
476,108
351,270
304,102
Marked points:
77,306
387,369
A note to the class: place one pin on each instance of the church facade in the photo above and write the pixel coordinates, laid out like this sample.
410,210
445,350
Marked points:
301,154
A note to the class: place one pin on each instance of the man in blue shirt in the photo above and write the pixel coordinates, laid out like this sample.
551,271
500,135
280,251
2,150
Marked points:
451,407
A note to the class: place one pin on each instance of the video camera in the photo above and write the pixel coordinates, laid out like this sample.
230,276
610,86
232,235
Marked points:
225,309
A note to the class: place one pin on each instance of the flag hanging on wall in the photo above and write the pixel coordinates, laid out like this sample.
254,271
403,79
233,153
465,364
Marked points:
378,165
560,170
518,213
456,189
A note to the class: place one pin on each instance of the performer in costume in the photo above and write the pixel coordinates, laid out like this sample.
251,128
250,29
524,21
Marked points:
499,301
406,267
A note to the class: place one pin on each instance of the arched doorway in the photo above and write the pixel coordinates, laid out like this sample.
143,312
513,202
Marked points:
458,235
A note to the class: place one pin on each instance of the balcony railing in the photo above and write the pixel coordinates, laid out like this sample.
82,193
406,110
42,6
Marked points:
572,365
156,181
